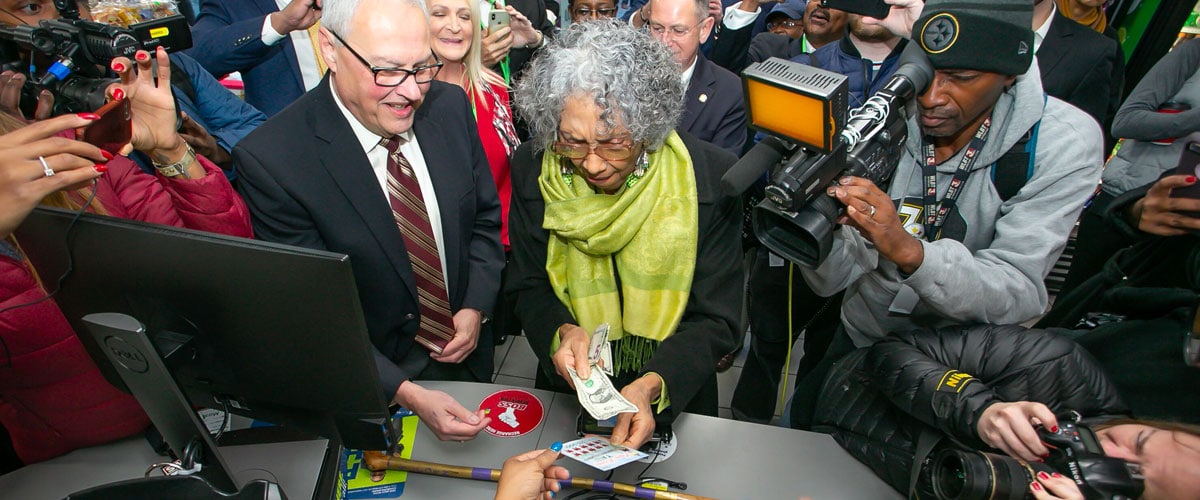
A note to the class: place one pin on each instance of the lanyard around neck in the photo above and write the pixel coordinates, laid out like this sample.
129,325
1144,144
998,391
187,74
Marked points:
935,211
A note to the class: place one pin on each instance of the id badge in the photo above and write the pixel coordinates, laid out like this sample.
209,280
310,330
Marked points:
904,303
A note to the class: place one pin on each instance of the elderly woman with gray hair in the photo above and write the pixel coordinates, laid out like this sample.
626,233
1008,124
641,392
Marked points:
618,219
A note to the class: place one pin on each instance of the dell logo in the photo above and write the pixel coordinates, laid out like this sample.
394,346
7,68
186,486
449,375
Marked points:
126,355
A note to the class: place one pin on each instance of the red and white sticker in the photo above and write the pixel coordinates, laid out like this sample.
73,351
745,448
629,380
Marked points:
514,413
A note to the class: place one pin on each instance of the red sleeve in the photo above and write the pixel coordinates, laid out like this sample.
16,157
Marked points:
207,204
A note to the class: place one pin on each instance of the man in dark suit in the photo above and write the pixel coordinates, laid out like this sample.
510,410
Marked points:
1077,64
715,110
356,166
272,48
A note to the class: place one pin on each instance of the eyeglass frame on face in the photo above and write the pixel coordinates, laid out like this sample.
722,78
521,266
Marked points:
595,148
595,13
377,70
787,23
656,29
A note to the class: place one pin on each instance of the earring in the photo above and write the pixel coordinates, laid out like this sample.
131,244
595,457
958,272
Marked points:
640,170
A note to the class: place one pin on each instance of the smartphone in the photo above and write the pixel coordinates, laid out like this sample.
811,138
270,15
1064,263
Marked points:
1189,164
113,130
497,19
870,8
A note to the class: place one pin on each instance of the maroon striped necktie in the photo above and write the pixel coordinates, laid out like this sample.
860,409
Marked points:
408,208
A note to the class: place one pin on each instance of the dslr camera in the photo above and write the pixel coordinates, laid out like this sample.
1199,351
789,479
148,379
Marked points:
1074,452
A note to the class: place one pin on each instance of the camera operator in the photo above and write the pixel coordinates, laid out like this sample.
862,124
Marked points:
213,119
992,388
943,245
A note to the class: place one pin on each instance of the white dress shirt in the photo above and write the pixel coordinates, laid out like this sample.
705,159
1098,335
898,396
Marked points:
377,155
309,73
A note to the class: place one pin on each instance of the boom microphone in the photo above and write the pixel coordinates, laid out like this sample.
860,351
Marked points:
751,166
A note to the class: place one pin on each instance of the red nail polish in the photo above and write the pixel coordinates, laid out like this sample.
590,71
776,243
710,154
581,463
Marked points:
118,67
1190,179
1037,486
142,56
1054,428
1042,475
118,94
107,156
88,116
100,168
1057,475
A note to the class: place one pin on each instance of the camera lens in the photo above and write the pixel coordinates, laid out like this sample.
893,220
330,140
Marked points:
967,475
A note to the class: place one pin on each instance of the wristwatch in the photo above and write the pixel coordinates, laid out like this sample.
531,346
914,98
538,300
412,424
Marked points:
541,40
179,168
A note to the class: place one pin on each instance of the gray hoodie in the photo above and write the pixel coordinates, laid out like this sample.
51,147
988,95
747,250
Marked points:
995,274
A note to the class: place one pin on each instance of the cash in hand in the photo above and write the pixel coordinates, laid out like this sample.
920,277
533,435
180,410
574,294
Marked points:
597,394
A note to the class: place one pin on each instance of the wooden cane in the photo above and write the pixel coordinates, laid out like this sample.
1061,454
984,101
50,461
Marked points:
376,460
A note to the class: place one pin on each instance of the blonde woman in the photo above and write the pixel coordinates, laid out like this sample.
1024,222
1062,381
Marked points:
456,32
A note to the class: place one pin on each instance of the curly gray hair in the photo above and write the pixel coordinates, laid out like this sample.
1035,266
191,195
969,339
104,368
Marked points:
631,77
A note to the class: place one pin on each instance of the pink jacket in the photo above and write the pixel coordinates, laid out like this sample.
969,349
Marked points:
53,399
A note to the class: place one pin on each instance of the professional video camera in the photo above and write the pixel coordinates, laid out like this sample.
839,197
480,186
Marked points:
1074,452
812,144
70,56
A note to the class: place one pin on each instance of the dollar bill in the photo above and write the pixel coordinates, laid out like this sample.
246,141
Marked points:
599,397
598,341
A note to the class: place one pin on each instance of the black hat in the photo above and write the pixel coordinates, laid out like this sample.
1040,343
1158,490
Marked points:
991,36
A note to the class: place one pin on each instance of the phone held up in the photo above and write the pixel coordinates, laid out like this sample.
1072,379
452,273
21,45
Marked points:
498,18
1189,164
113,130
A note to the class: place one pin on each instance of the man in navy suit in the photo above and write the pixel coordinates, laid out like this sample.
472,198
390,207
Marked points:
267,41
323,174
715,110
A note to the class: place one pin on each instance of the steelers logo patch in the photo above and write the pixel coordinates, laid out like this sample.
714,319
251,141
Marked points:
939,33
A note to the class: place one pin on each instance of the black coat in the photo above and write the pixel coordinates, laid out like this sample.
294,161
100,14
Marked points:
877,400
308,183
687,359
1082,67
714,108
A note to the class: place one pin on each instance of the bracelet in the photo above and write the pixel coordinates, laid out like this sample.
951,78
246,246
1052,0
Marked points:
179,168
538,44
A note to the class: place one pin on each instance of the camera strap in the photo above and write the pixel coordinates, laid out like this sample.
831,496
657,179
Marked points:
937,211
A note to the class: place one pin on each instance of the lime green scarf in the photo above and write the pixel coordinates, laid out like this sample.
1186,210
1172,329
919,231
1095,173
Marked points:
649,229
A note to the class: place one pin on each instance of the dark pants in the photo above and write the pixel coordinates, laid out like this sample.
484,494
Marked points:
813,316
808,388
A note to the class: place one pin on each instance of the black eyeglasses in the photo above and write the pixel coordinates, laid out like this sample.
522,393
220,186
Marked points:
789,24
393,77
595,14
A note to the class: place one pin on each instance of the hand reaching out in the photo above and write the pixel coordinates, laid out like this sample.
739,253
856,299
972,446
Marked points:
572,352
153,106
298,15
531,475
447,419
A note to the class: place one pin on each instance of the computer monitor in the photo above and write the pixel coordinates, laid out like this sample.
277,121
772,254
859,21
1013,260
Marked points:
269,331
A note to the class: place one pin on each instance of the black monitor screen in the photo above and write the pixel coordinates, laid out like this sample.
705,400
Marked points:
269,331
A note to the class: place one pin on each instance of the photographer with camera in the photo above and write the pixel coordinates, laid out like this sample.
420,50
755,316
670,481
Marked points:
916,407
53,398
952,240
212,120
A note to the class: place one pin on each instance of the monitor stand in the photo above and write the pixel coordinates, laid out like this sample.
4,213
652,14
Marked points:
124,340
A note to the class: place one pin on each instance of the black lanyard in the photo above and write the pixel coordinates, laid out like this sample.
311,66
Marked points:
935,211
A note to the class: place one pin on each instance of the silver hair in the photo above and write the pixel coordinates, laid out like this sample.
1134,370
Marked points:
701,9
630,76
337,14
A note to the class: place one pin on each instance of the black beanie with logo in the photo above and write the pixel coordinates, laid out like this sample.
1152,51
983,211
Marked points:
991,35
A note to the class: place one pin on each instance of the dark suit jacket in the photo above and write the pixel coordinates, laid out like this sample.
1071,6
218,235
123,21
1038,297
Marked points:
1083,68
308,183
687,359
227,37
715,110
